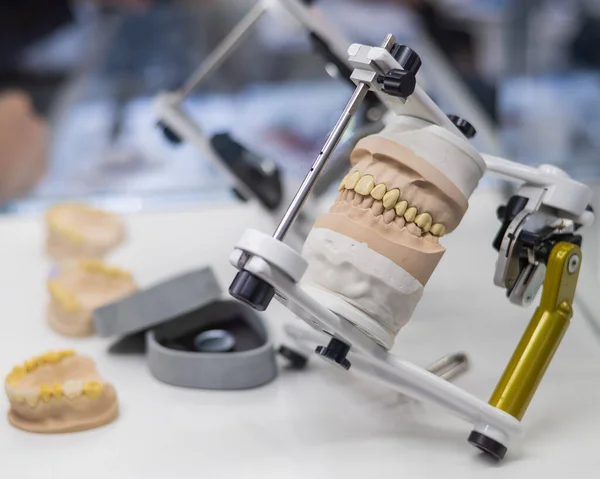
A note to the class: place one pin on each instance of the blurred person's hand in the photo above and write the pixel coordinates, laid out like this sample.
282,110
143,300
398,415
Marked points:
23,146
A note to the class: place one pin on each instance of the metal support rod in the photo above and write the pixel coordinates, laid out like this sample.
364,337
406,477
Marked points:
224,49
334,138
388,42
450,367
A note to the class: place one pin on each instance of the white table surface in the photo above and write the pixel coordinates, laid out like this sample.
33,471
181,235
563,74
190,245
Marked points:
318,423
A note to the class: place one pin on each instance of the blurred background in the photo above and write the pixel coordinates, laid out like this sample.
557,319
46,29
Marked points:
78,79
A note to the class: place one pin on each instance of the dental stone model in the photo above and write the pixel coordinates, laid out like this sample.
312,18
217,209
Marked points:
371,255
58,392
78,231
81,287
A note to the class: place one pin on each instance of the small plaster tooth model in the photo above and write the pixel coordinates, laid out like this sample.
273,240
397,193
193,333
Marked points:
379,243
80,287
77,231
57,392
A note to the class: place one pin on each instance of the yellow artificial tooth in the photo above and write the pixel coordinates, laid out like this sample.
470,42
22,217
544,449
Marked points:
401,208
57,391
96,266
46,392
30,365
72,389
70,234
66,353
342,186
390,198
17,373
379,191
353,180
410,214
90,264
424,222
93,389
62,295
365,185
52,357
438,230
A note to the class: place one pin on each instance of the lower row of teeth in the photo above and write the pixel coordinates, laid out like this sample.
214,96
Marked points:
66,298
392,203
48,392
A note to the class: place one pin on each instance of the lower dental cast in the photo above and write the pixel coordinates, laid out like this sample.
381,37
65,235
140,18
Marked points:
378,245
59,391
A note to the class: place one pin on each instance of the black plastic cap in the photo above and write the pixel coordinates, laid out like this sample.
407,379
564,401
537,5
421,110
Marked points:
296,360
335,351
398,83
488,445
170,134
407,57
463,125
251,290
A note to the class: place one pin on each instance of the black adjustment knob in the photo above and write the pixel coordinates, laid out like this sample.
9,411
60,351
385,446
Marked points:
170,134
335,351
296,360
398,83
251,290
501,212
463,125
407,57
488,445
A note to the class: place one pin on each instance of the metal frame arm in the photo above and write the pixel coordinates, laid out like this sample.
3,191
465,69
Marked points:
562,192
544,333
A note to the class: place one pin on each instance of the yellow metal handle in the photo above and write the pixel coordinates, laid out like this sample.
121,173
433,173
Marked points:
543,334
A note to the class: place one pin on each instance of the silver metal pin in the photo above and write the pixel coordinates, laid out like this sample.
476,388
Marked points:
450,366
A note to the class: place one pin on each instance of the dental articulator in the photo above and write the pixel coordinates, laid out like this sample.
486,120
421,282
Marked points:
366,261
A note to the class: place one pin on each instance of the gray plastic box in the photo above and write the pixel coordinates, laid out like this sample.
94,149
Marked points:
173,312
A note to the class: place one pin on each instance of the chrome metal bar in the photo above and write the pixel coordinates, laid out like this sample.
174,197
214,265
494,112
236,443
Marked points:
450,366
334,138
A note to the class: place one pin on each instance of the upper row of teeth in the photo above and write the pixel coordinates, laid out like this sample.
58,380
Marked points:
96,266
365,185
70,389
53,357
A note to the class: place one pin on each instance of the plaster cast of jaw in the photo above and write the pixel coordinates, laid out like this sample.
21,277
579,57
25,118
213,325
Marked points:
57,392
78,231
378,245
81,287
